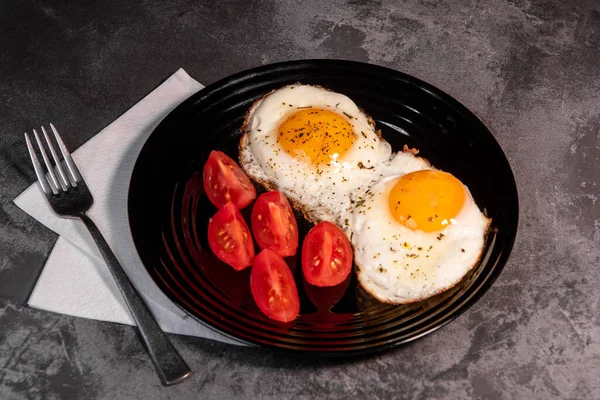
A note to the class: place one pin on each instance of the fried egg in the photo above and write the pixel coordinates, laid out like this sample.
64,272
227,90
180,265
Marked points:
415,235
314,145
415,230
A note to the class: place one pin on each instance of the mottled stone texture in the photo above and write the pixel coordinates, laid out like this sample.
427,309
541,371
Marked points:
529,69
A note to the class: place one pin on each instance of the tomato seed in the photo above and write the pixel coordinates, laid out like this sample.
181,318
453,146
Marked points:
227,196
259,217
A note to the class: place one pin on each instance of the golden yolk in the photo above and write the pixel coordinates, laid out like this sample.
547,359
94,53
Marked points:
427,200
316,135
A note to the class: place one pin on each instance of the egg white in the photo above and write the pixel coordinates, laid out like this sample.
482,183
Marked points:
322,191
399,265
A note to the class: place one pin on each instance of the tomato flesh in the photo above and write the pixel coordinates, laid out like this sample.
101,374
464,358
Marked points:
274,225
224,180
229,237
273,287
326,255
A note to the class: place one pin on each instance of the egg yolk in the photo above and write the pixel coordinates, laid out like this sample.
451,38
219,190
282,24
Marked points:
428,200
316,135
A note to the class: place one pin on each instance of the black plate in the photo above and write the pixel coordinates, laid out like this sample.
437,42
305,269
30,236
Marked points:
169,214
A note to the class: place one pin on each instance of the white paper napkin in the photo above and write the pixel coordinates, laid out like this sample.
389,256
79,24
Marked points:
75,279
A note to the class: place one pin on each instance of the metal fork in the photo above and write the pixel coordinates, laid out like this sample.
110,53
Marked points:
69,196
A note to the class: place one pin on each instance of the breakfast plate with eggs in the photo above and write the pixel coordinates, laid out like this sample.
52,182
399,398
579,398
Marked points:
323,206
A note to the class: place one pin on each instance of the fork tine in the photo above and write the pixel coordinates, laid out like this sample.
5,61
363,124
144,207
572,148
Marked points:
64,182
39,171
53,181
67,156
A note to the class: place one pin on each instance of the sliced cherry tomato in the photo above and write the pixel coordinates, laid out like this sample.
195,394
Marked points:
274,225
225,181
229,237
326,255
273,287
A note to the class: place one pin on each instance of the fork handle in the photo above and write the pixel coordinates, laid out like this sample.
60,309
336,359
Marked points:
168,363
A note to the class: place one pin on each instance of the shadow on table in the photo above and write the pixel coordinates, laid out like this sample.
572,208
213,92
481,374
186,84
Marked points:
263,357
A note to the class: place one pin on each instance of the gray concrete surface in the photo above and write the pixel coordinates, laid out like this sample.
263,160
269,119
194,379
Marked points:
529,69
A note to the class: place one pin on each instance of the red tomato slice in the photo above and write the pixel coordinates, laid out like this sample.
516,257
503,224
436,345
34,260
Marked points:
273,287
326,255
225,181
229,237
274,225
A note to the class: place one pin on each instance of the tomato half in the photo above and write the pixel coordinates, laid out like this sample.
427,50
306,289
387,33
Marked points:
326,255
273,287
274,225
224,180
229,237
